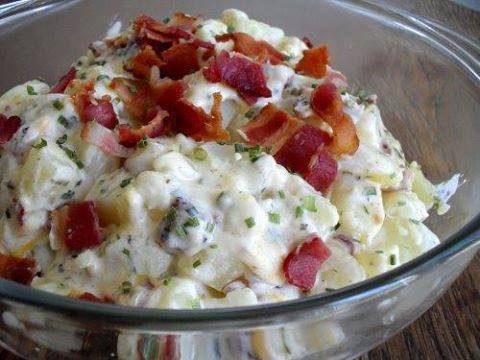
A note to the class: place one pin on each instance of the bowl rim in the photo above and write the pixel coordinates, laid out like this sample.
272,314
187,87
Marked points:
462,49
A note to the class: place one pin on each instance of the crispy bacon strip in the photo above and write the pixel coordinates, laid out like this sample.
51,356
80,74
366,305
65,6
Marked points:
241,73
180,60
17,269
61,85
192,121
105,139
156,126
150,31
300,267
258,50
8,128
78,226
271,127
183,20
314,62
327,103
322,170
142,62
86,296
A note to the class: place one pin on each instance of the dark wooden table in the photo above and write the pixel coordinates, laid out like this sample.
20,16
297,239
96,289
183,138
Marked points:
451,328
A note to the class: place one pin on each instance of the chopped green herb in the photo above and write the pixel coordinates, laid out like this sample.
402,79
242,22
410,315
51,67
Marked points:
414,221
62,120
288,57
210,227
62,139
166,20
199,154
102,77
181,231
329,289
309,203
314,85
281,194
31,90
167,280
126,287
298,211
213,246
192,222
126,252
369,191
41,144
219,197
254,153
142,144
393,259
72,155
392,175
274,218
195,304
401,203
197,263
83,76
57,104
230,28
250,222
436,202
336,226
125,182
366,210
68,195
250,113
379,251
239,148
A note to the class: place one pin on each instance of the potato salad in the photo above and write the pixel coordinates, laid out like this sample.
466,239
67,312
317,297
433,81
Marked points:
187,163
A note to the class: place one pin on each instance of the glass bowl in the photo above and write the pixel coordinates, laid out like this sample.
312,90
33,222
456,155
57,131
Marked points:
428,79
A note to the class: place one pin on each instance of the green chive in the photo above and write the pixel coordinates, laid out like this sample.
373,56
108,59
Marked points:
167,281
254,153
31,90
239,148
250,222
392,175
298,211
83,76
309,203
195,304
72,155
125,182
230,28
274,218
379,251
314,85
41,144
62,120
210,227
369,191
61,140
68,195
171,216
393,259
142,144
414,221
401,203
166,20
219,197
199,153
181,231
213,246
250,113
126,287
281,194
102,77
126,252
57,104
196,263
329,289
192,222
366,210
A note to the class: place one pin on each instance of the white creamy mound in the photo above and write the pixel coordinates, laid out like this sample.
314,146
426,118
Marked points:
243,215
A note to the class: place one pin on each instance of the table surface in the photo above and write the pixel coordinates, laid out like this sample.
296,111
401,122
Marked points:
451,328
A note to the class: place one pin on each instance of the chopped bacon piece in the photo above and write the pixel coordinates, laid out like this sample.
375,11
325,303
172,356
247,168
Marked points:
271,127
183,20
327,103
105,139
297,152
141,63
167,92
78,225
244,75
100,111
301,265
322,170
336,78
86,296
17,269
180,60
192,121
203,44
314,62
130,137
8,128
258,50
62,84
152,32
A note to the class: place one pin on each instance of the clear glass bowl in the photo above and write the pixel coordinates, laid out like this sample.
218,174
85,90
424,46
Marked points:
428,79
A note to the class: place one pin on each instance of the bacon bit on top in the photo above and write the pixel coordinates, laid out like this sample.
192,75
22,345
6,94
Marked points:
296,152
150,31
105,139
258,50
8,128
314,62
271,127
322,170
78,225
300,267
101,111
183,20
327,104
156,126
62,84
86,296
17,269
241,73
192,121
142,62
180,60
